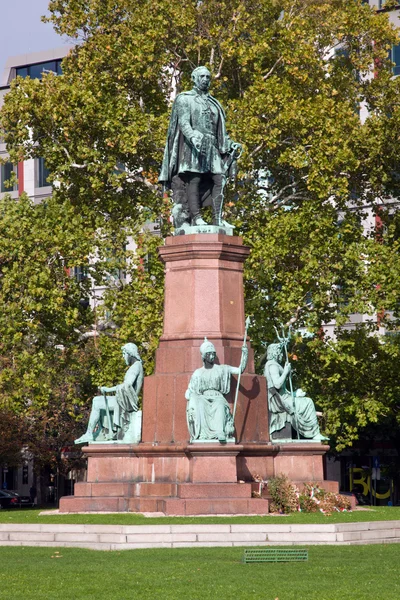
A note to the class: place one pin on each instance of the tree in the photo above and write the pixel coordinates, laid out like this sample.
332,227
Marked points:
43,318
11,441
292,75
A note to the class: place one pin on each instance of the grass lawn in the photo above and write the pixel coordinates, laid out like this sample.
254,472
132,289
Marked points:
331,573
379,513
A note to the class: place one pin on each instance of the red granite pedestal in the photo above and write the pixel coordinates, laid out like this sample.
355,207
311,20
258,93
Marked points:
165,473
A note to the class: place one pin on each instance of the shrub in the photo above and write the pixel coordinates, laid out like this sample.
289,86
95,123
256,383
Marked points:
285,495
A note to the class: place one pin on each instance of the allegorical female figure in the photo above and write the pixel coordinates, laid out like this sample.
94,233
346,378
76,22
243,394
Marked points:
121,402
208,413
298,410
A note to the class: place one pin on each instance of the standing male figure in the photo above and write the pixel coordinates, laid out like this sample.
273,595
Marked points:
199,153
122,399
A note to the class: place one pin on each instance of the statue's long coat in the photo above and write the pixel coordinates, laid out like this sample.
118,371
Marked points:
187,117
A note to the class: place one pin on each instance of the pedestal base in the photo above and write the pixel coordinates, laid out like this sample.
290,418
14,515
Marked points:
164,473
189,479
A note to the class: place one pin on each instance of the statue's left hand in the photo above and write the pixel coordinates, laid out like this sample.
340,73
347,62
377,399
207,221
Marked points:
236,147
103,390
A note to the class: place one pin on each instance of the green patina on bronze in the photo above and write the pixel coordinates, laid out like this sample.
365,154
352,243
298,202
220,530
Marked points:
115,415
199,155
208,413
288,408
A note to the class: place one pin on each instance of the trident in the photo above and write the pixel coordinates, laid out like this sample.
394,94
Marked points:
285,341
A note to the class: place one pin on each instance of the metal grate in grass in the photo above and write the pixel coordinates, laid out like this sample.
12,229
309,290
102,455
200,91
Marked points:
274,555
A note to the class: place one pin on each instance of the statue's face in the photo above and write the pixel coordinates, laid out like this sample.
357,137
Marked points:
203,80
127,357
210,357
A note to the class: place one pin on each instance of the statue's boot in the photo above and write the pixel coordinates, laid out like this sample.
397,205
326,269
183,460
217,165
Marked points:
85,438
222,437
217,204
194,209
197,220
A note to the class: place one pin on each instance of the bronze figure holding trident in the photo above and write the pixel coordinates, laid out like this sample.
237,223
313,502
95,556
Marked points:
288,406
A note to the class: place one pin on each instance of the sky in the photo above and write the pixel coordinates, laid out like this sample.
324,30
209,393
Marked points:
21,29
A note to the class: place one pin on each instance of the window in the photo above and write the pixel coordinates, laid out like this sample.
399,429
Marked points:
79,273
43,173
6,171
36,71
395,57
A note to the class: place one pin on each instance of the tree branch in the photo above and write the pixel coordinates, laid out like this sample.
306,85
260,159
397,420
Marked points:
218,75
272,69
257,149
75,165
143,180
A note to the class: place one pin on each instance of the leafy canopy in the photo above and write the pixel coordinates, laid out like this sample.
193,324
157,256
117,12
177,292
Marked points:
293,75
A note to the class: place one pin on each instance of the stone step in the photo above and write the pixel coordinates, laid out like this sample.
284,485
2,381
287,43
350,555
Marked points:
97,504
111,504
367,536
168,506
168,490
127,490
214,506
124,537
214,490
367,526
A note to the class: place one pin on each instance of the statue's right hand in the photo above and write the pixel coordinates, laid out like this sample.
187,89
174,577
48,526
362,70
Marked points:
196,143
197,139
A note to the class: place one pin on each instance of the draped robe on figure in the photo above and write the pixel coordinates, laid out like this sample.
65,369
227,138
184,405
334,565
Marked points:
208,413
126,395
283,408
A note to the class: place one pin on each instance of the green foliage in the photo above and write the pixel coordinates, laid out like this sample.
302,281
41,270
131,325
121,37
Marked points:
292,75
44,355
354,381
10,441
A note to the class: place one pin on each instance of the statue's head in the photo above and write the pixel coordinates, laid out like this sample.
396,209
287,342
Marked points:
207,350
274,351
201,78
180,215
130,351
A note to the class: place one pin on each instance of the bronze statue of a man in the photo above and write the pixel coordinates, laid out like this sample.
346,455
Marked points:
199,156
